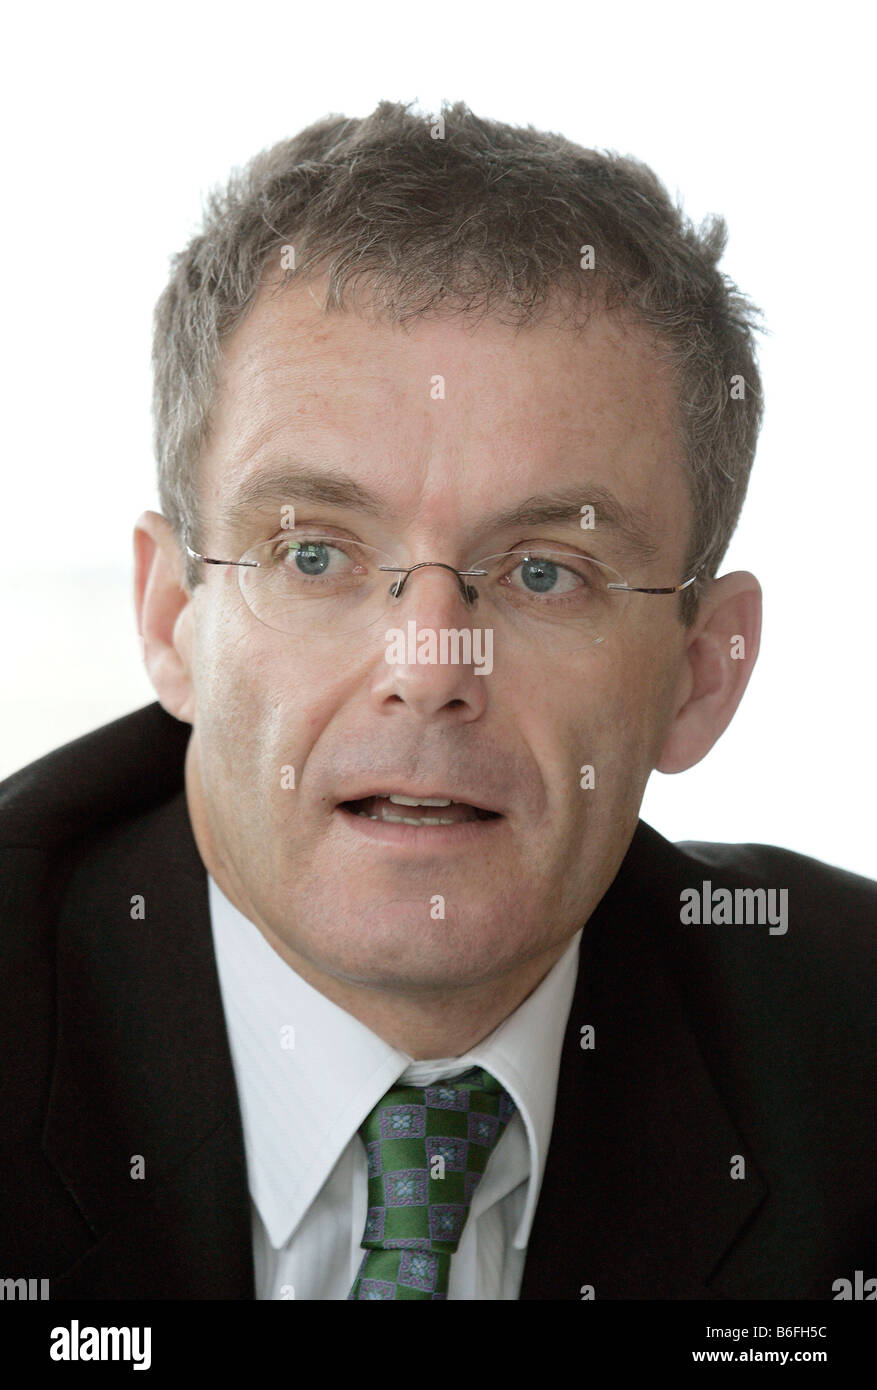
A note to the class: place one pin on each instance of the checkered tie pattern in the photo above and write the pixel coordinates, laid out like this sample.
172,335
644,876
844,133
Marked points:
415,1215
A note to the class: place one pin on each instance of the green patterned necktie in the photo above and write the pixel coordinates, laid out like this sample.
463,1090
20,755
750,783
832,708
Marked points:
418,1205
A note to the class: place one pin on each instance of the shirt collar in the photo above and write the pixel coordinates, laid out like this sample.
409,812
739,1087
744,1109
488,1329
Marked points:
308,1072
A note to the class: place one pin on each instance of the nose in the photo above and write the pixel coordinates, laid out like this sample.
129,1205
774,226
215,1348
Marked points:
430,634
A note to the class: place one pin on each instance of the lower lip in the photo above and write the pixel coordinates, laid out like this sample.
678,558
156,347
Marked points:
421,838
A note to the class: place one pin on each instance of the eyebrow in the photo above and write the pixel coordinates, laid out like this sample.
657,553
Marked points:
629,524
271,489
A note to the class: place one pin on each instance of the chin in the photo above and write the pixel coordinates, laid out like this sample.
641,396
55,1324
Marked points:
399,942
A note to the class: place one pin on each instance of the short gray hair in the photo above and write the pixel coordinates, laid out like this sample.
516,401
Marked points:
458,214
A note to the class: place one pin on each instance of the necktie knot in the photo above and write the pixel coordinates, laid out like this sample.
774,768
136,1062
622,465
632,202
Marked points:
427,1149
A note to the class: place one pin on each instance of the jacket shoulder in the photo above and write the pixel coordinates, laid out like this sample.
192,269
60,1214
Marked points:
795,934
80,788
819,891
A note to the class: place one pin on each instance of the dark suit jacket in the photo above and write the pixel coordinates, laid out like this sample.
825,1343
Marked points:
711,1042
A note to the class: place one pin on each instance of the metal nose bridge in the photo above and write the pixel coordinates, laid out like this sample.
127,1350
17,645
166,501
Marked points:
468,591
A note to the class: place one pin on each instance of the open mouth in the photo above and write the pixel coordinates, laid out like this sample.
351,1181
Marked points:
396,809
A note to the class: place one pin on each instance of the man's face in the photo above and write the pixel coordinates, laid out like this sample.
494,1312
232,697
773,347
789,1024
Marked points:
522,415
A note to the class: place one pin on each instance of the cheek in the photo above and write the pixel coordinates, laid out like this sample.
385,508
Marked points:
234,694
585,717
264,706
621,712
643,689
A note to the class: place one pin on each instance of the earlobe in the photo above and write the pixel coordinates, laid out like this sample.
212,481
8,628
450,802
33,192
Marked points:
162,620
719,658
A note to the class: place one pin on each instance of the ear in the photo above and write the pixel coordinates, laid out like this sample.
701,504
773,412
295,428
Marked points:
720,653
164,614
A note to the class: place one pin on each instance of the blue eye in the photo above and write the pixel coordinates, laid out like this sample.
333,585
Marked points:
541,575
323,560
312,558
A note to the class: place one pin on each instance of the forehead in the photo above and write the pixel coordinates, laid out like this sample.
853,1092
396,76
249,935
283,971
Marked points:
446,417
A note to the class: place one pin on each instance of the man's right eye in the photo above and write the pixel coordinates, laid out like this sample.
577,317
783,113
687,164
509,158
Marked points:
319,556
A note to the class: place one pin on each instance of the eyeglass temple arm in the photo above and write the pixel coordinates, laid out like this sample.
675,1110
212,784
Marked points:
674,589
206,560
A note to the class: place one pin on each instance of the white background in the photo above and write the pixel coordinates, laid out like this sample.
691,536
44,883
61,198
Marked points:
116,121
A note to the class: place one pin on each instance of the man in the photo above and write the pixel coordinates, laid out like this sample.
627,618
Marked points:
347,969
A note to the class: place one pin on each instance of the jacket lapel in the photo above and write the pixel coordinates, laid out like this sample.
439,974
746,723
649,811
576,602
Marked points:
143,1123
637,1199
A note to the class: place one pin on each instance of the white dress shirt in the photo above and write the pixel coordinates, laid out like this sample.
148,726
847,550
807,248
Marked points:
308,1073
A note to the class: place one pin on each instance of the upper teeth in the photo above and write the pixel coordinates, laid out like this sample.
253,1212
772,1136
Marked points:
418,801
